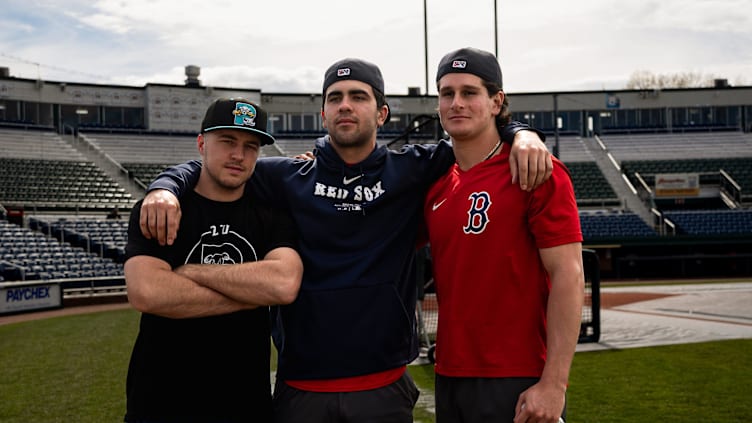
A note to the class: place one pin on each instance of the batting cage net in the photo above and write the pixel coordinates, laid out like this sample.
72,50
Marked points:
428,311
590,326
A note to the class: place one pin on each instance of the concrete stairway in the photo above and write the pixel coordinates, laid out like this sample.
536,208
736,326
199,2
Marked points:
104,162
612,172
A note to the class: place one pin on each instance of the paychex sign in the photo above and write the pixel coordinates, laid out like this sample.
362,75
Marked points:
14,299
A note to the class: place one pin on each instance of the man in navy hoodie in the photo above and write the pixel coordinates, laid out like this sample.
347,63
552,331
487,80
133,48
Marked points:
344,343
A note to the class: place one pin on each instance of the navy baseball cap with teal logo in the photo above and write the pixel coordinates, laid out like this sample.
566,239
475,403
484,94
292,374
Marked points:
237,113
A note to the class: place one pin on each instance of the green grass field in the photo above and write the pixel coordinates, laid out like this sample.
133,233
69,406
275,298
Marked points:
73,368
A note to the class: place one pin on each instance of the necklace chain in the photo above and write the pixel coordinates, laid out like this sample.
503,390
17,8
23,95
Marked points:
496,147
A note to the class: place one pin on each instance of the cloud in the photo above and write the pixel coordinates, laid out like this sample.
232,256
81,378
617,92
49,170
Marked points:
15,30
285,45
104,22
299,79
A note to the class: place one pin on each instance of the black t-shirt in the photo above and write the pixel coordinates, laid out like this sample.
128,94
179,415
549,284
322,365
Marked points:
211,368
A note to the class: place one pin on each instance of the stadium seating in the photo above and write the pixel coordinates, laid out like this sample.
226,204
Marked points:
31,255
140,148
36,145
679,146
614,225
712,222
590,186
572,149
103,237
146,172
46,184
739,168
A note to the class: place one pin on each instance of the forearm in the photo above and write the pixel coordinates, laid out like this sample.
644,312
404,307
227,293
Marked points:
508,132
563,317
274,280
177,179
164,293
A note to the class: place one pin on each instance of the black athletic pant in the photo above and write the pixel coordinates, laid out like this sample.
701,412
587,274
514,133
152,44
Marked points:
393,403
476,400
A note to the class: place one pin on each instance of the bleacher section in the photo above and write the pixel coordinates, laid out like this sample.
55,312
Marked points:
31,255
739,168
613,225
58,184
705,153
590,186
572,149
130,148
679,146
39,170
146,172
712,222
104,237
36,145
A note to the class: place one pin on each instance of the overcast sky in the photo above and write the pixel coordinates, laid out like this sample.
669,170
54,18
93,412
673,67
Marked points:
285,46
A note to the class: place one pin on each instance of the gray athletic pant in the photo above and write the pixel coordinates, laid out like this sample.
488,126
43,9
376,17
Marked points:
391,404
477,399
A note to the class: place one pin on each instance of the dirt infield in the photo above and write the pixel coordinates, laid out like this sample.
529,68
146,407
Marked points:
616,299
81,305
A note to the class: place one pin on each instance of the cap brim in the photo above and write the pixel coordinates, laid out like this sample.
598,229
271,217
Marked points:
266,139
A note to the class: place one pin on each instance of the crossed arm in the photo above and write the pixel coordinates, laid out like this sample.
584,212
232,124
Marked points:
544,401
198,290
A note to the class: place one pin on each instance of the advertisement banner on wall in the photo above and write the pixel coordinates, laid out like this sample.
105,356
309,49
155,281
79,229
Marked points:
16,299
677,185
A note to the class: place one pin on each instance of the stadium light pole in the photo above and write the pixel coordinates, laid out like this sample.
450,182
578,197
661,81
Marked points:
556,125
425,40
496,30
425,36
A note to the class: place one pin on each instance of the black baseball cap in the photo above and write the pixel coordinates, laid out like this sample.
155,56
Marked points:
471,60
237,113
358,70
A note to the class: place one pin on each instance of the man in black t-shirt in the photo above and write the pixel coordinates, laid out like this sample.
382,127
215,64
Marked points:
203,349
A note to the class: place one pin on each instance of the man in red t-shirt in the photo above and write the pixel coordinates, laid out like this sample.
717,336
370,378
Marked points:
507,263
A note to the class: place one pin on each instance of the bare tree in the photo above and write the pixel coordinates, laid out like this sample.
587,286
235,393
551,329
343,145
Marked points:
646,80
